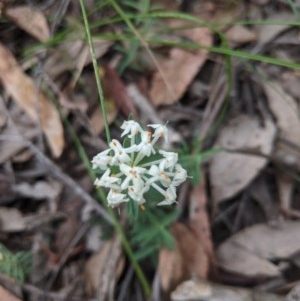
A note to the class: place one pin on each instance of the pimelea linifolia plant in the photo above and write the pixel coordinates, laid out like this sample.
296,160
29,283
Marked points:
129,170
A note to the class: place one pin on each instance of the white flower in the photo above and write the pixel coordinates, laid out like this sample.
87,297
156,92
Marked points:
179,176
159,174
170,197
131,127
145,148
101,160
160,131
170,159
108,181
133,174
136,192
115,198
120,153
133,179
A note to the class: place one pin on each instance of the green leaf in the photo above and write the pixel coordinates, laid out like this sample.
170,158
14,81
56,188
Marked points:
17,265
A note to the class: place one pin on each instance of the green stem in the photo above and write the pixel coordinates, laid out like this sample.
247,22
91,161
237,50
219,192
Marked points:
96,69
126,245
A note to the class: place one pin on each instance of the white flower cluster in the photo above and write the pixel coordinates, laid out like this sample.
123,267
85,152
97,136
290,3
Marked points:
129,172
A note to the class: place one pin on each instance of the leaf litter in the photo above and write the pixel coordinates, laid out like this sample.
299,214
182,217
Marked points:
230,229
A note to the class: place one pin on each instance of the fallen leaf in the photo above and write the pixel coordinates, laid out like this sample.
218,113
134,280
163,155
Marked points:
267,33
65,234
239,34
5,295
294,294
74,54
23,90
285,109
231,172
8,148
116,97
290,82
93,238
227,12
192,290
285,184
103,267
196,289
30,20
39,190
170,268
188,258
250,252
11,220
198,218
260,191
114,88
96,120
180,68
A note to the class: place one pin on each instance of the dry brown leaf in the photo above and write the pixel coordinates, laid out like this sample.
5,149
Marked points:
294,294
23,90
116,97
285,185
239,34
114,88
11,220
196,289
5,295
30,20
8,148
188,258
96,120
192,290
65,234
39,190
73,55
267,33
250,251
170,268
96,275
231,172
198,219
290,82
227,12
180,68
285,109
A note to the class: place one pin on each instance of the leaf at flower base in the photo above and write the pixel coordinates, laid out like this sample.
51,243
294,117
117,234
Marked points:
15,265
23,90
187,259
231,172
180,68
30,20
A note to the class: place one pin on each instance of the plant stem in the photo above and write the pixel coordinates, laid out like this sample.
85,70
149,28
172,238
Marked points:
96,70
126,245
